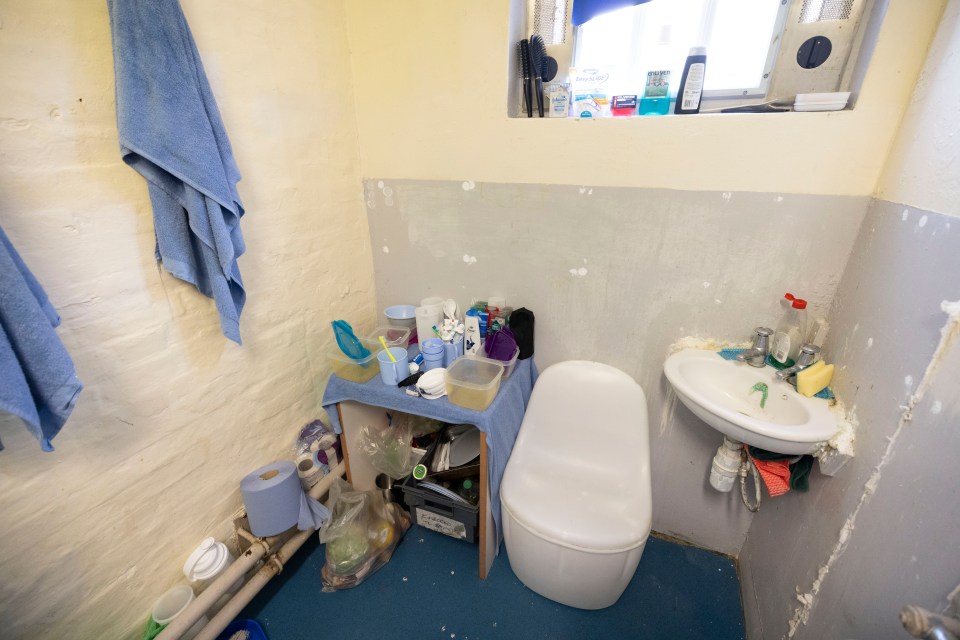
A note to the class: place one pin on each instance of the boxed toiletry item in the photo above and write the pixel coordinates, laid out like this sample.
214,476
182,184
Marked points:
558,99
624,106
591,93
436,507
473,383
656,94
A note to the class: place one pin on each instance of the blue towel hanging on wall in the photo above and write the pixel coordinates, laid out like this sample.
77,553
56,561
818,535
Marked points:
37,380
584,10
171,133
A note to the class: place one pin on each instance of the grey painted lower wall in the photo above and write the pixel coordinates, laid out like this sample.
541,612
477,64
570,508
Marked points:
883,533
617,275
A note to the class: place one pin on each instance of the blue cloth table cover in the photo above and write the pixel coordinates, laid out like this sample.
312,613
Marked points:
500,421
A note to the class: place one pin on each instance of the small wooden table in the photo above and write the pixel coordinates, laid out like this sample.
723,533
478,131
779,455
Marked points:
353,404
362,475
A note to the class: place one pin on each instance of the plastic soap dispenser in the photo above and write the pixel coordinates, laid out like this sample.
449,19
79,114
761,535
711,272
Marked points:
790,333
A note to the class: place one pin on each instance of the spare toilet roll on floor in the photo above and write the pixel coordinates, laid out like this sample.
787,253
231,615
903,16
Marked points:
275,501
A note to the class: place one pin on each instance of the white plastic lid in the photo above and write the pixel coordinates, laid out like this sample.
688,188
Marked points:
579,474
698,51
207,561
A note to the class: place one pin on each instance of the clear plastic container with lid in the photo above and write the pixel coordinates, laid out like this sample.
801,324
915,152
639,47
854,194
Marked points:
790,333
473,383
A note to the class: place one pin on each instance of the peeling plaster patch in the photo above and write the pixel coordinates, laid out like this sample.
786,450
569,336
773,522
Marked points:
718,300
578,272
386,249
706,285
584,261
590,192
469,259
726,195
948,334
698,342
55,113
936,407
583,190
923,222
778,199
869,342
906,214
666,413
380,185
387,192
908,380
14,124
469,185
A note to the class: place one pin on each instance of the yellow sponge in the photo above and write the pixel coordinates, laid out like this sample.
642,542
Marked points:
814,378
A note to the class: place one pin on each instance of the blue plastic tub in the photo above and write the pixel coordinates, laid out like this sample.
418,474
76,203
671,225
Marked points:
250,626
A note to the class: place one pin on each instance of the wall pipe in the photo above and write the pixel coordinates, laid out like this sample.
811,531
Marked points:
274,546
271,568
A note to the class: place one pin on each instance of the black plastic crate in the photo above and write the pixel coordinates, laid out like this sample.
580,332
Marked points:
434,511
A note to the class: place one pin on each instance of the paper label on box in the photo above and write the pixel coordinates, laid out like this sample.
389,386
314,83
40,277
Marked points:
441,524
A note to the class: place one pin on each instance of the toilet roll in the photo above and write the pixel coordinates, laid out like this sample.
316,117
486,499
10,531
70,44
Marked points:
310,469
272,496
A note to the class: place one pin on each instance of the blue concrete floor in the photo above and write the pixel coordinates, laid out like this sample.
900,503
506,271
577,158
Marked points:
430,589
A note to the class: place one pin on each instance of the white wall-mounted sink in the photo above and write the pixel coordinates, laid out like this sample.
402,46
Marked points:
721,393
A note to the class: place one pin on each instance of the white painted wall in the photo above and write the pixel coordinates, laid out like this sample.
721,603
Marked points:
617,275
881,534
173,414
430,80
924,165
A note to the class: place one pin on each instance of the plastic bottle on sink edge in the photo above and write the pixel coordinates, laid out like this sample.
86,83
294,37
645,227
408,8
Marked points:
790,333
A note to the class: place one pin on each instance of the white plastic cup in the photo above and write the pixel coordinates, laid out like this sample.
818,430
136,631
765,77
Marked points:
173,603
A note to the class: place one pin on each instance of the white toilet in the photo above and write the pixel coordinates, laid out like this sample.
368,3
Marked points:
576,491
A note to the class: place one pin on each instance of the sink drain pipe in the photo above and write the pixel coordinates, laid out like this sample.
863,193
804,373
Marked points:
279,552
729,463
726,465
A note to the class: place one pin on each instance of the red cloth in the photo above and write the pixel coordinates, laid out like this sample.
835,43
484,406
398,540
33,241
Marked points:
775,474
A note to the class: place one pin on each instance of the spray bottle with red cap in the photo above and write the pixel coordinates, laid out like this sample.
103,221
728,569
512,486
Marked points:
791,332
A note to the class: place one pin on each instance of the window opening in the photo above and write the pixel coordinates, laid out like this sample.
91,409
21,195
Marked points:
741,36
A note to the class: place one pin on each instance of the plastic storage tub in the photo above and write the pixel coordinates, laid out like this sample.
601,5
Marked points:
438,513
473,383
394,336
507,366
356,370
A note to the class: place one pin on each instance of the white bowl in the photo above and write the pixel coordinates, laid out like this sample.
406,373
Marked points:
401,315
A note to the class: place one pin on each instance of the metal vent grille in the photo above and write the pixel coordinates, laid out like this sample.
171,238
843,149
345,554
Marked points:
550,20
822,10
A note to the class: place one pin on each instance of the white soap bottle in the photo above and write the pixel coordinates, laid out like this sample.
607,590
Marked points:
790,333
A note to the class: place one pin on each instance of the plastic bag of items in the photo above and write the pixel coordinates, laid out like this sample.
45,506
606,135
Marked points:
316,449
360,535
389,448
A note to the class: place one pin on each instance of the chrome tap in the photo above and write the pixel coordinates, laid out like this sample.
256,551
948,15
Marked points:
808,356
756,355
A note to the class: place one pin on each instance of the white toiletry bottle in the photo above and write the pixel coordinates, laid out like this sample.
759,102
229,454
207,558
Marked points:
790,333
